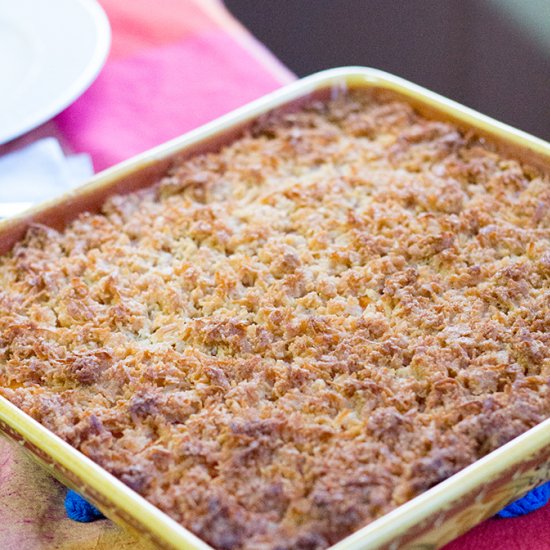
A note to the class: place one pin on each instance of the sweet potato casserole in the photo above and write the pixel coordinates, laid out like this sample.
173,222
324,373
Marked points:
280,342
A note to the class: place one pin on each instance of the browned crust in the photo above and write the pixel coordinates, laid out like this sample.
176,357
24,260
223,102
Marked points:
282,341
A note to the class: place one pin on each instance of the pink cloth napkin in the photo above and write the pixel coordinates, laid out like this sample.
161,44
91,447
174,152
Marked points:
174,65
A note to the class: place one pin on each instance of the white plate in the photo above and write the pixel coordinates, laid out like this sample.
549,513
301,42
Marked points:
50,52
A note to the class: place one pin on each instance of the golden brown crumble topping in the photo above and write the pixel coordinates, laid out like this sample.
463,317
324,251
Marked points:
280,342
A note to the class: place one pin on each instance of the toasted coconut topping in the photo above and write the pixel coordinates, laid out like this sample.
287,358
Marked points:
280,342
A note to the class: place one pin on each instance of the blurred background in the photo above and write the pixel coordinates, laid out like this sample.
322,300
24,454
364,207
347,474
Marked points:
492,55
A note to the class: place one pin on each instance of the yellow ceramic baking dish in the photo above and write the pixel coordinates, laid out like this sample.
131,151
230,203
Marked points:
428,521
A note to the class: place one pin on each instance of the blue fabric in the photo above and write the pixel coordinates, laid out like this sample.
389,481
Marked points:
79,509
532,501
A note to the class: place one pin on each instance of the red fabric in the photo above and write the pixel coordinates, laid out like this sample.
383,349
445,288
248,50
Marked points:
530,532
140,24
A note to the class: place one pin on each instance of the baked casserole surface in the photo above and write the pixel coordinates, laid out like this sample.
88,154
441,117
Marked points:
282,341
